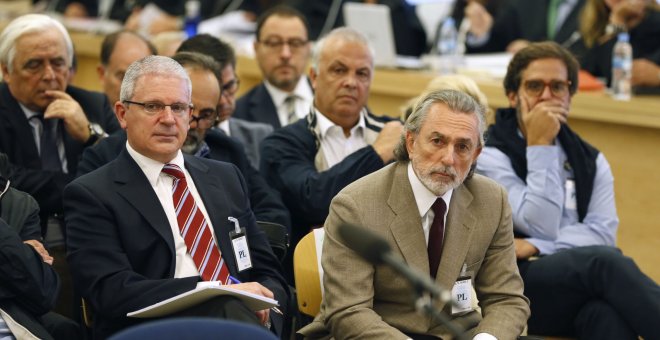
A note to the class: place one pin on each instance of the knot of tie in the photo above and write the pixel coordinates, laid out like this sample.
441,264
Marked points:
174,171
439,207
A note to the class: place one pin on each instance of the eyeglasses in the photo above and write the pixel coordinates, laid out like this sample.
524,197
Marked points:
277,44
205,119
231,87
152,108
558,88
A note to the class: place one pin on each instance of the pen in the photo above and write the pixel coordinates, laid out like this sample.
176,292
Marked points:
237,281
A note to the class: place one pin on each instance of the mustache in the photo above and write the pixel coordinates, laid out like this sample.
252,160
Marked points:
449,170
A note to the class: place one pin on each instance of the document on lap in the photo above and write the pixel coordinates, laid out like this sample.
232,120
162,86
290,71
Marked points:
203,292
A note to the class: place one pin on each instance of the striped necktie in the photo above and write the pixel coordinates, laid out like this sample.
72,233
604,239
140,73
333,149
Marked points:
290,105
195,231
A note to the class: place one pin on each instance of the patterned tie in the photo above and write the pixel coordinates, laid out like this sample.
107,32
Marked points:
195,231
50,156
436,235
290,105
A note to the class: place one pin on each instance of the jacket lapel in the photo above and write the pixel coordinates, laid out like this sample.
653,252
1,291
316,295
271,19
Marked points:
407,225
458,231
133,185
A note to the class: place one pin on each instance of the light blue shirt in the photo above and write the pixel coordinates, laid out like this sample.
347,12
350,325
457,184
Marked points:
540,208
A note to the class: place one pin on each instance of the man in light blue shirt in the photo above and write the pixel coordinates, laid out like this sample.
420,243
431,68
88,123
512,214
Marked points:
562,199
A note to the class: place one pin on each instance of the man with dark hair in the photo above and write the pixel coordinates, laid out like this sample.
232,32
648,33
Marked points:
45,123
118,51
441,220
562,195
282,51
250,134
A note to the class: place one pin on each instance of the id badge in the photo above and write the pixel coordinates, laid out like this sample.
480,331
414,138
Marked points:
239,244
461,294
570,203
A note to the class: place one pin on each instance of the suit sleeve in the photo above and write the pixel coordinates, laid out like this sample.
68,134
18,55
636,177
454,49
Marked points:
348,282
26,278
100,266
266,202
288,164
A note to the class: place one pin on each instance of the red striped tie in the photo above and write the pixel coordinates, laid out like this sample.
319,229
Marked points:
195,231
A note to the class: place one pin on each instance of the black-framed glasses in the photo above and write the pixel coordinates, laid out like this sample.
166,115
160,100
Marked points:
205,119
152,108
535,87
231,87
277,44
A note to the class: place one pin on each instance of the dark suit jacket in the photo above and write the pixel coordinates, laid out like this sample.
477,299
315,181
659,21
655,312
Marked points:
120,244
264,200
527,19
29,286
16,140
257,106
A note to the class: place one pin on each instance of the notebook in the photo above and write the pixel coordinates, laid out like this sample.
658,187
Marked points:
374,21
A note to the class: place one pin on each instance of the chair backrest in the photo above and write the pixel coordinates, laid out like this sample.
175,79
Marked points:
194,329
278,238
307,273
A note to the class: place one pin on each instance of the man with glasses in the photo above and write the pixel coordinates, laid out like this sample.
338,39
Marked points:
282,51
131,223
564,215
250,134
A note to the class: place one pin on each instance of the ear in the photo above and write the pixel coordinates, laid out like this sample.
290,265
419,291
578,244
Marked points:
100,70
312,77
5,73
513,99
120,113
410,141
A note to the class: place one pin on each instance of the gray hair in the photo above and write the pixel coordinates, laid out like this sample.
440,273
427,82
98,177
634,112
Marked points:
342,33
151,65
30,23
456,101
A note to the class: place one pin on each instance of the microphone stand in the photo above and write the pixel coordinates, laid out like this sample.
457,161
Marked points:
425,292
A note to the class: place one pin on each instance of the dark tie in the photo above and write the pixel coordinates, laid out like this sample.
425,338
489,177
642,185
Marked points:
49,154
195,231
290,105
436,235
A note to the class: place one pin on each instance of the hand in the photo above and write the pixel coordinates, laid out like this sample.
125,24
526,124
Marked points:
524,249
628,13
258,289
645,73
66,108
387,139
480,20
517,45
542,123
41,250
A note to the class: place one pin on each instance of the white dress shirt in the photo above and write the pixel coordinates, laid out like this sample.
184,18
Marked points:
304,98
161,183
336,146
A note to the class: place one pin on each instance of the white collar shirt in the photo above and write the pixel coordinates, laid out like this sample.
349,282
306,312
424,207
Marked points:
336,146
304,98
425,199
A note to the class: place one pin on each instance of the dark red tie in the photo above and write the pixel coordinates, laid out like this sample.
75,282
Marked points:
436,235
195,231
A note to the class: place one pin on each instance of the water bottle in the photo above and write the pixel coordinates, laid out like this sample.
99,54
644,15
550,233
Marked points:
447,47
622,67
192,18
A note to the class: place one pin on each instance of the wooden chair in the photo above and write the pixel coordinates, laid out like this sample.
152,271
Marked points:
306,273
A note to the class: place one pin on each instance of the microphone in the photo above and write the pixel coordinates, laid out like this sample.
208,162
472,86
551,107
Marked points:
376,250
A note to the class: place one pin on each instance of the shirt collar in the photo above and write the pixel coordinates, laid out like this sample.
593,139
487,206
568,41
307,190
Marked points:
153,168
28,113
302,91
423,196
324,124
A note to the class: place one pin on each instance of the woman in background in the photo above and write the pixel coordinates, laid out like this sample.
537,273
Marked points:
601,22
